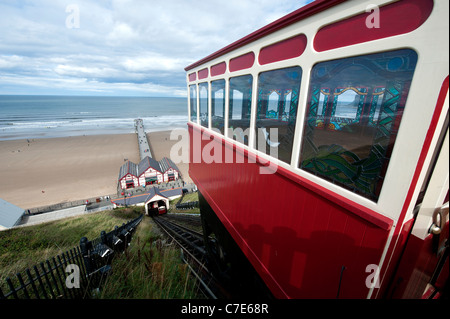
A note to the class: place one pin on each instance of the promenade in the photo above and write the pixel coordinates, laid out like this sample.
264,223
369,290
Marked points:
62,213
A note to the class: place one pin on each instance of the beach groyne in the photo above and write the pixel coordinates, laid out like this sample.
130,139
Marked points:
144,146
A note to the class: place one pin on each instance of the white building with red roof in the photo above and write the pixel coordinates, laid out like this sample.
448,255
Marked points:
149,172
169,169
128,175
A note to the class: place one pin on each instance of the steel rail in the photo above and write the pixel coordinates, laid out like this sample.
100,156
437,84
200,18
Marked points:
180,235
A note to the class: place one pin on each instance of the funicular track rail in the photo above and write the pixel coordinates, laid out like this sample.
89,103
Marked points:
194,255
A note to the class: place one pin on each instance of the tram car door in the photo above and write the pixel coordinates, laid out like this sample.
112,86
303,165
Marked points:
424,264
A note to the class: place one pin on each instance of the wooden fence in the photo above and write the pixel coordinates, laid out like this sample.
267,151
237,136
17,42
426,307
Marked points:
187,205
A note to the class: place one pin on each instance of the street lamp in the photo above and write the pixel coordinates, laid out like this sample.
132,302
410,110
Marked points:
124,198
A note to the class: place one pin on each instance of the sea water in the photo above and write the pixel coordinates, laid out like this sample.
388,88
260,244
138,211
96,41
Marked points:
27,117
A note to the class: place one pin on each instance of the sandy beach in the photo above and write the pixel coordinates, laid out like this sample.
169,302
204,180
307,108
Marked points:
55,170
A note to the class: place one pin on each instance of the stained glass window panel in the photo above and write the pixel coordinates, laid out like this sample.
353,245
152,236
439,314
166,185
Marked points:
353,115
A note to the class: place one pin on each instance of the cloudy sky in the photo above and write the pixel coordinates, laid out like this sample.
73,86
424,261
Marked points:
119,47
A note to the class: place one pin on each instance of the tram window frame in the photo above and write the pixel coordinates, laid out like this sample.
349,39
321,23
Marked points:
217,120
240,86
203,101
193,103
354,153
275,129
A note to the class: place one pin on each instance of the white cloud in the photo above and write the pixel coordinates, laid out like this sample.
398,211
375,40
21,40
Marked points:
122,46
80,71
122,31
7,62
153,62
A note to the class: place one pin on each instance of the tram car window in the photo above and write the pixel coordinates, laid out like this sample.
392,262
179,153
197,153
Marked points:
353,116
193,102
278,93
203,99
218,105
240,101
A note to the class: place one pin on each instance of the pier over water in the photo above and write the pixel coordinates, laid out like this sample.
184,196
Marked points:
144,146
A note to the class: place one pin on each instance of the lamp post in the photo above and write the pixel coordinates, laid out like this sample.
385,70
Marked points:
124,198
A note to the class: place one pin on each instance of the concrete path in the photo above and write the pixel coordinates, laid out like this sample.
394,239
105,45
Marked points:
65,213
55,215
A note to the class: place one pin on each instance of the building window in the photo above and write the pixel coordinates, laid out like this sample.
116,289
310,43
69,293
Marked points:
276,115
203,98
240,101
193,102
151,180
353,116
218,105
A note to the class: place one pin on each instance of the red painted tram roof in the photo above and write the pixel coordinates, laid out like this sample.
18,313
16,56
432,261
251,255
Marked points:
300,14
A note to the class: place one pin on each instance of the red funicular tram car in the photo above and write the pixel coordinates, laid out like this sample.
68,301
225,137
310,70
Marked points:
319,145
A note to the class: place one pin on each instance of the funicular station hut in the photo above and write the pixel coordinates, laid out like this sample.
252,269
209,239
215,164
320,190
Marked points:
147,173
156,201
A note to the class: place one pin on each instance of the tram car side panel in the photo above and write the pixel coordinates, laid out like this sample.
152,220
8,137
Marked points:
302,243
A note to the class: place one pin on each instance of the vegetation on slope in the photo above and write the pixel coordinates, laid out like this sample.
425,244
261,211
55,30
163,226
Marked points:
150,268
